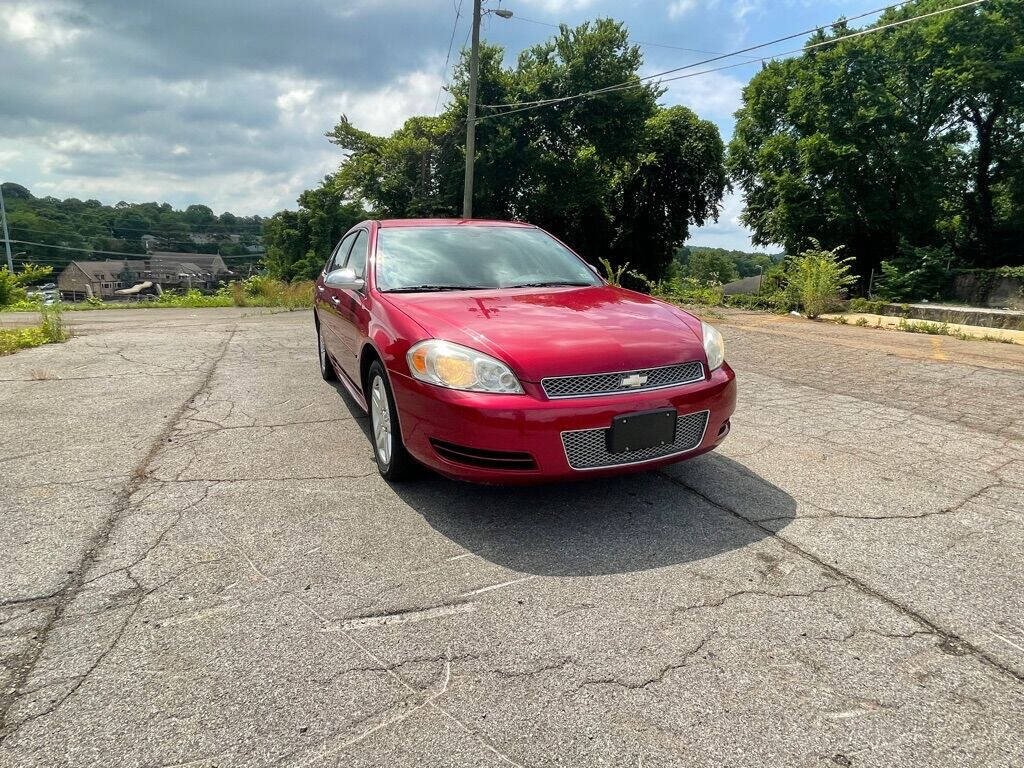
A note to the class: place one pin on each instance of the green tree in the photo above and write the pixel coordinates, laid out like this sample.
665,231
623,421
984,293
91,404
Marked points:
199,215
712,266
615,176
901,136
299,242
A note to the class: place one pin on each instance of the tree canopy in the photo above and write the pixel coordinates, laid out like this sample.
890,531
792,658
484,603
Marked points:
909,137
616,176
119,228
298,242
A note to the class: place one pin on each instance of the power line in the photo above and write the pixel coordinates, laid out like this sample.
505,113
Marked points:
112,236
122,254
719,57
517,17
447,57
639,83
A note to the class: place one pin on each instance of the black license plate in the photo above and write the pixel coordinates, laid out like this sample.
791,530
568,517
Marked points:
638,431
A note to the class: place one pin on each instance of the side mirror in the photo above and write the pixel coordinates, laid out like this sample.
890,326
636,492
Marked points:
344,278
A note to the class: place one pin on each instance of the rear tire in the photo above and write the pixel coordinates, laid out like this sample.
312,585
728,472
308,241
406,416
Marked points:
393,462
326,366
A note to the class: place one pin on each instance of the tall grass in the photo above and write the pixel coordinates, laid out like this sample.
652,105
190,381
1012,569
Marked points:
51,330
268,292
257,291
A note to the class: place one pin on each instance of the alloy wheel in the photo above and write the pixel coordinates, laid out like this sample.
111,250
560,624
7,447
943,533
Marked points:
380,416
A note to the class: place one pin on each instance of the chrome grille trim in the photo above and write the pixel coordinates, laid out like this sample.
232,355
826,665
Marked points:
597,384
588,448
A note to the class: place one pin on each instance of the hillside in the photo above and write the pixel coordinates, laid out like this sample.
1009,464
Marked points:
41,223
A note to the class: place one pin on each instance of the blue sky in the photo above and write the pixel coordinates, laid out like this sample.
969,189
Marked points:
226,103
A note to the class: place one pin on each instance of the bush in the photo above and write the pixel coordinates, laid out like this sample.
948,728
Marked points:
52,324
866,305
260,285
12,285
779,302
916,274
49,331
818,278
688,290
612,274
11,291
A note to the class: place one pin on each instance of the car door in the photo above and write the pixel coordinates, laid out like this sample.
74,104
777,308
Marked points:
350,311
328,300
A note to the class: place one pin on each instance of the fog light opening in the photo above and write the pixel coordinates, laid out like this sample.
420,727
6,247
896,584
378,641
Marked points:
724,429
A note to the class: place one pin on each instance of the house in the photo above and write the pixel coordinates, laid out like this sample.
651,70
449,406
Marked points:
206,262
84,279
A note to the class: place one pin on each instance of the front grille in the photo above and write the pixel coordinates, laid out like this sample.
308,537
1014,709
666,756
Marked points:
588,448
478,457
592,384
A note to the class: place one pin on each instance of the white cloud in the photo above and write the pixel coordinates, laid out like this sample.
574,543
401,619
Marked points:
713,95
728,232
38,28
181,153
384,110
679,8
557,6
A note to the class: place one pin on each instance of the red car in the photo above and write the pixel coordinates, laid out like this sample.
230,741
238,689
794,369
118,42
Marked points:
489,351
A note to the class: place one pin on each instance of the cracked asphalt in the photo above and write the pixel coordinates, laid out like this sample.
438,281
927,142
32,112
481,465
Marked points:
199,566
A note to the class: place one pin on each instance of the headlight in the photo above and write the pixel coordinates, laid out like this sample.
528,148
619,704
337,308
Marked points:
714,346
457,367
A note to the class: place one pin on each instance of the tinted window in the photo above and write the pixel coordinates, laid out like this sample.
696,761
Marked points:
337,260
357,258
474,256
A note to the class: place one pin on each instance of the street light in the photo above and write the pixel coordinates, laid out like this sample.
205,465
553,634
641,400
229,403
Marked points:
474,72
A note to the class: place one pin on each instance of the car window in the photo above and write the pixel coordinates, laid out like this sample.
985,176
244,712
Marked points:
475,256
357,258
338,258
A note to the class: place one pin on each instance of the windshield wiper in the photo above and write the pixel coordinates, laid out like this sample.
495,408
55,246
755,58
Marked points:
424,288
548,284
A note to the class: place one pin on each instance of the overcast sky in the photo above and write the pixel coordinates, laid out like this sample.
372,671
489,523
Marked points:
225,102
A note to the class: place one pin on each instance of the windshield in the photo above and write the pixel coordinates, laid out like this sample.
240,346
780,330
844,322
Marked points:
466,257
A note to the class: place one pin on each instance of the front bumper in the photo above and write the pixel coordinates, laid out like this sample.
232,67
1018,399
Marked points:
533,424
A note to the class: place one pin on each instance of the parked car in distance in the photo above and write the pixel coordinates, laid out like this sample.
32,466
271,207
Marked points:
489,351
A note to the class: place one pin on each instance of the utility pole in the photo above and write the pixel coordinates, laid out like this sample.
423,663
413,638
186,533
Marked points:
7,238
474,77
474,73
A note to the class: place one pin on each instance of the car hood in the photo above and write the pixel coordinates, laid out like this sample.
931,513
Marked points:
543,332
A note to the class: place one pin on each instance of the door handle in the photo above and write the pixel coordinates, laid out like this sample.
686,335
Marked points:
335,300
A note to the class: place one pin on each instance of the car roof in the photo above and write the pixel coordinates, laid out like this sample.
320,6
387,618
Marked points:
451,223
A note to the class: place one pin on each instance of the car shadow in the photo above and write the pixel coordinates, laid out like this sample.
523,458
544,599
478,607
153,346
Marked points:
602,526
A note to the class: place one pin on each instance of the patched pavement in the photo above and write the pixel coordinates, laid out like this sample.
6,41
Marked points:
200,566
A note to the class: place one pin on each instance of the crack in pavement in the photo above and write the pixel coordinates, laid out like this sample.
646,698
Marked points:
950,639
658,677
762,592
96,544
381,663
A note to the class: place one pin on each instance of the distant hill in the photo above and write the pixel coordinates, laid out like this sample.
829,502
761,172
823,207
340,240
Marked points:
126,228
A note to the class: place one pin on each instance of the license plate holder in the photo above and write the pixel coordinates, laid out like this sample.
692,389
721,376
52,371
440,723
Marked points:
640,431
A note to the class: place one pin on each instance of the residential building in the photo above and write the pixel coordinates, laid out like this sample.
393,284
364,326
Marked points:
170,271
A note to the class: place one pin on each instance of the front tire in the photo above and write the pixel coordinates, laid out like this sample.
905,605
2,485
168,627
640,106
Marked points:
326,366
393,462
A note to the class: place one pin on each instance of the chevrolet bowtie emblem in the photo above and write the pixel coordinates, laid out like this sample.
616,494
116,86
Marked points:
633,380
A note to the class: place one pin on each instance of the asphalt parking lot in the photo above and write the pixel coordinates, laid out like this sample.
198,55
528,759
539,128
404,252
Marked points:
201,567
